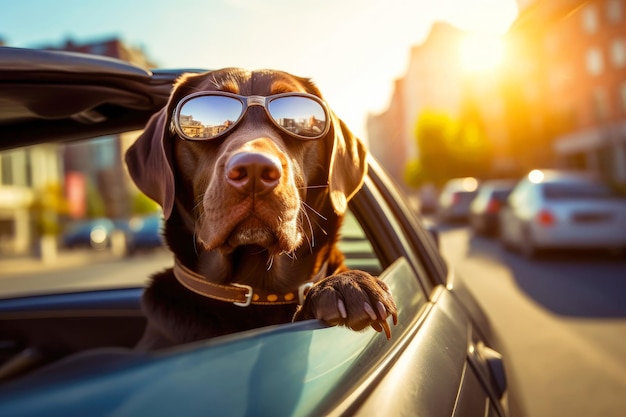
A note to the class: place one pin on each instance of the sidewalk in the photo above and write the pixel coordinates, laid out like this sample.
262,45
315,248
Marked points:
64,258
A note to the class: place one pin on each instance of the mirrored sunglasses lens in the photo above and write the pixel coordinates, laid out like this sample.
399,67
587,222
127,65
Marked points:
301,116
206,117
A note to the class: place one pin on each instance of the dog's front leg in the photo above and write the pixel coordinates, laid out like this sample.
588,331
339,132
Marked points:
354,299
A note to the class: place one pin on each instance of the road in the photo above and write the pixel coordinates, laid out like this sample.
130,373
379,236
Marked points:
562,318
81,270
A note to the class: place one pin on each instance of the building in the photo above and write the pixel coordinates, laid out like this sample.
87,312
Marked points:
557,100
42,184
29,179
432,82
567,95
107,175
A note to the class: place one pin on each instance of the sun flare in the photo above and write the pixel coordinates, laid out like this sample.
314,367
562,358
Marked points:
481,52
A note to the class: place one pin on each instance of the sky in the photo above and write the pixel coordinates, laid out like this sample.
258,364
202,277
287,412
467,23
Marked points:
352,49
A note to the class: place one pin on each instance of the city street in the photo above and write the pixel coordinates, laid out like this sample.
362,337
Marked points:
81,270
562,320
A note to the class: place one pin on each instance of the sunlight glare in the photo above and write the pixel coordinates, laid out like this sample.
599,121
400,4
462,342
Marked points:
535,176
481,52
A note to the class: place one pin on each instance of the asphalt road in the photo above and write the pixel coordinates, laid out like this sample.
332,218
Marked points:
80,270
562,318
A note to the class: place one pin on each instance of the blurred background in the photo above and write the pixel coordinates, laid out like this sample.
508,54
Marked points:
483,88
458,99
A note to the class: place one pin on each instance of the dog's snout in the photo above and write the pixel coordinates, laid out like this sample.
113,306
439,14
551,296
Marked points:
252,172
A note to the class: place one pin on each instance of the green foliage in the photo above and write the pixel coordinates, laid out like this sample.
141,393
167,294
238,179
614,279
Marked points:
142,204
448,148
413,172
49,205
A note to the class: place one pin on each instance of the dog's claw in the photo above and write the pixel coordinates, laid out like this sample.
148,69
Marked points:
342,309
353,299
385,326
370,311
382,311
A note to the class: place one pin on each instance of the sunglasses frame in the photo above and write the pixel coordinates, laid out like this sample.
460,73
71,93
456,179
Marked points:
247,102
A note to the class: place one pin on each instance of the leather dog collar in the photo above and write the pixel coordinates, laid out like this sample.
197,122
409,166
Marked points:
240,294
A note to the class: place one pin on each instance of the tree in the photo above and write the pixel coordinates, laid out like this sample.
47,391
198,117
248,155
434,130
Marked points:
433,132
448,148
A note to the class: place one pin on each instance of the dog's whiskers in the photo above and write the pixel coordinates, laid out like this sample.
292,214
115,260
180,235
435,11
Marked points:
315,221
313,210
290,255
310,240
310,187
270,262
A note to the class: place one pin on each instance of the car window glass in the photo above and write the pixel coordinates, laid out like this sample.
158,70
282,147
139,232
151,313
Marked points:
501,195
357,248
560,191
394,231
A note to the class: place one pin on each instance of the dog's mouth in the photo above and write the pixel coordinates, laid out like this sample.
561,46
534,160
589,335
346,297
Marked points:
273,235
252,232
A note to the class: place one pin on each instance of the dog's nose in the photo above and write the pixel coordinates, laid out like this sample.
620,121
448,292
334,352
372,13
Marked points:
252,172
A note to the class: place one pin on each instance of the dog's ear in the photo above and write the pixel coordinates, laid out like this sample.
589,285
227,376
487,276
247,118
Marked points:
348,166
149,162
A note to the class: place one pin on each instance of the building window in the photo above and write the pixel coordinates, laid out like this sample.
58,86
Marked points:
614,11
590,19
622,97
594,60
618,53
6,169
600,105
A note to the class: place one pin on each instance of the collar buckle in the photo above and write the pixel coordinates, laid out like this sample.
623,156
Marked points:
248,295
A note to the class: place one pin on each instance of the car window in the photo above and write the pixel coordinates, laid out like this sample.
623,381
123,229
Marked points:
394,232
91,229
357,248
501,195
563,191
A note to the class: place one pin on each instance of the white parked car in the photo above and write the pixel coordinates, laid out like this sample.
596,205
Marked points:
455,199
552,209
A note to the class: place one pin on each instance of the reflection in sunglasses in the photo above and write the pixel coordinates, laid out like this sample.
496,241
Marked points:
210,116
195,129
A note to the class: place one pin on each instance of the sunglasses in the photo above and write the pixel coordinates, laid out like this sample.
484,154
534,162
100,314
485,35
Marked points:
209,115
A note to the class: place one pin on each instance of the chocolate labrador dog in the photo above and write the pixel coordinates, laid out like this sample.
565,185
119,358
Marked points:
253,172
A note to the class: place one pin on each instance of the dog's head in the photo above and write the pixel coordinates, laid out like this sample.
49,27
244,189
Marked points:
258,177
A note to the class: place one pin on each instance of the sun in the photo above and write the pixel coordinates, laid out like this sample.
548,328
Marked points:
481,52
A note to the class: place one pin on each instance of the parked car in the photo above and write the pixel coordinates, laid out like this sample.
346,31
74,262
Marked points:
144,232
552,209
427,198
484,212
455,199
70,353
94,233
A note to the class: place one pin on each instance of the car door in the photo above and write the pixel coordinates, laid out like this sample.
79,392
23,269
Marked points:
447,366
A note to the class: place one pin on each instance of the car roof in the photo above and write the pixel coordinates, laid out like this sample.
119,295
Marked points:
463,184
563,175
48,96
497,184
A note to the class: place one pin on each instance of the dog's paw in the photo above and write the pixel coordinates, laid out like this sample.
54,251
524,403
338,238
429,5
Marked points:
354,299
